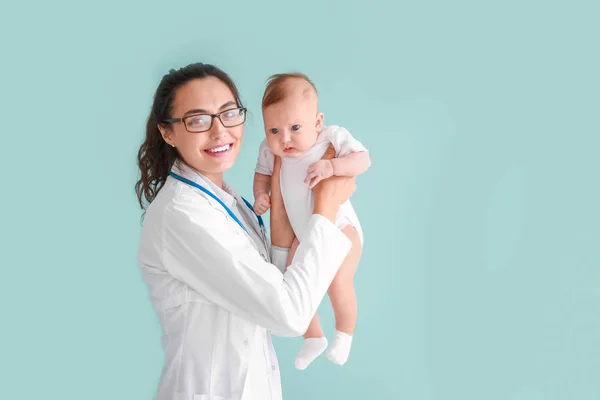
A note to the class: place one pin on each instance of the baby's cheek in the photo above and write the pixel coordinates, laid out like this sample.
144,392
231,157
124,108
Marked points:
273,145
306,140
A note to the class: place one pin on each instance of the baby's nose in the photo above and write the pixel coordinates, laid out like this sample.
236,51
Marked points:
286,137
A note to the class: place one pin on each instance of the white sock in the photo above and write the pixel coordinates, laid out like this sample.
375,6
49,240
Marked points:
339,351
310,350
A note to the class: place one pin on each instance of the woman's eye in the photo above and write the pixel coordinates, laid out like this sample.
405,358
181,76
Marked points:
196,121
274,130
295,127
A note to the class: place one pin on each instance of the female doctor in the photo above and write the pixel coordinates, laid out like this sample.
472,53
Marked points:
214,280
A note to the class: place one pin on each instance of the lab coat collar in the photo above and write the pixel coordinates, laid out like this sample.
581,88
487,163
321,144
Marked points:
227,194
229,197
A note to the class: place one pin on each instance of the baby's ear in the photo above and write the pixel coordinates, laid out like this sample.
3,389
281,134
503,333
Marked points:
319,123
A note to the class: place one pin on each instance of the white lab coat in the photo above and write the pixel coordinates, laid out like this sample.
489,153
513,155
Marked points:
217,298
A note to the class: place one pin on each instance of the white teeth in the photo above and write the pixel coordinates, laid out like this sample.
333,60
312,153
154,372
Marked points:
219,149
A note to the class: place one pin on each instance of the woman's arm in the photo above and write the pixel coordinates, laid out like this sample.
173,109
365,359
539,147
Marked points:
204,248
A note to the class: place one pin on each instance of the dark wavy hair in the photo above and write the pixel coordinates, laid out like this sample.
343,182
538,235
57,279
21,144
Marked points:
155,156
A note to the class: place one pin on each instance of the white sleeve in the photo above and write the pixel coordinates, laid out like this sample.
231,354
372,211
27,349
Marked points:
207,250
266,159
343,142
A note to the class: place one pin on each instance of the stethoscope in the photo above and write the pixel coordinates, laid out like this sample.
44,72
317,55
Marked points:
231,214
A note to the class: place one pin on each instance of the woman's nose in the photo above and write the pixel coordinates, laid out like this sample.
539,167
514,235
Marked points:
217,129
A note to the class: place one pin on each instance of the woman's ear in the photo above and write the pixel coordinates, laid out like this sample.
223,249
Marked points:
166,134
319,123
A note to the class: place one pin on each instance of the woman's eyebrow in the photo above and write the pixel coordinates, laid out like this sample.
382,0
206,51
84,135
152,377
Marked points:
196,111
228,104
203,111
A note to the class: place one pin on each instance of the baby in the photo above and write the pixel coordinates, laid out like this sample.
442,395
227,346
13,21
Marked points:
295,132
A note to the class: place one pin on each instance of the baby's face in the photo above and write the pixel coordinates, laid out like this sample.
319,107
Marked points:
292,125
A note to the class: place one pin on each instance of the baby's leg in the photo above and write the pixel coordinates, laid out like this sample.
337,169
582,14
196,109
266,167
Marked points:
315,342
292,252
343,300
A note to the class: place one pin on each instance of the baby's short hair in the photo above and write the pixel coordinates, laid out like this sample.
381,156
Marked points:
276,90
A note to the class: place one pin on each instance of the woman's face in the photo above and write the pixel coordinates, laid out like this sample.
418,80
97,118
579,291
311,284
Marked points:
213,151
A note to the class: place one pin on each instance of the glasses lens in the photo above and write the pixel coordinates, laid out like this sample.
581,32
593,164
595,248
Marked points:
198,123
233,117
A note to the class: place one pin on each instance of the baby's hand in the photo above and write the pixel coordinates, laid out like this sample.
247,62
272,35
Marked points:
318,171
262,203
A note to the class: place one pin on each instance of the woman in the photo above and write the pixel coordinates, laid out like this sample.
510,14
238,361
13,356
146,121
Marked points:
215,281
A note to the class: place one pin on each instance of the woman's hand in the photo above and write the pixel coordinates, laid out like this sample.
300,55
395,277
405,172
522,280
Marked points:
282,234
332,192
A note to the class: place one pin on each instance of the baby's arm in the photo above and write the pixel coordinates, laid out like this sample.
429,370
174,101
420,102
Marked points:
353,159
262,186
262,178
353,164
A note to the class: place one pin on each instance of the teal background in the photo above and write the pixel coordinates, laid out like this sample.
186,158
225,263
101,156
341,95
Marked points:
481,271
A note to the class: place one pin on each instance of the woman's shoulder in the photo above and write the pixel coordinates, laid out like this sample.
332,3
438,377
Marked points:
179,201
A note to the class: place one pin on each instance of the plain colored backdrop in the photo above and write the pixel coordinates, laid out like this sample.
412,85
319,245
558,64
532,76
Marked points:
481,271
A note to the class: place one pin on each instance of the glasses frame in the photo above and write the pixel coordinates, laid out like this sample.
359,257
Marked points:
212,119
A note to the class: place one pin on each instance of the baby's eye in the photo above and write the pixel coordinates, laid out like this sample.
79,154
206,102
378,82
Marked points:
274,130
295,127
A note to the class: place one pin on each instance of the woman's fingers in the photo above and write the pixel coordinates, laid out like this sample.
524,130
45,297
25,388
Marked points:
315,181
329,153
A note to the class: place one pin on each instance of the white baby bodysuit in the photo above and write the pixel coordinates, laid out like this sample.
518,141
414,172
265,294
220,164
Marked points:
297,195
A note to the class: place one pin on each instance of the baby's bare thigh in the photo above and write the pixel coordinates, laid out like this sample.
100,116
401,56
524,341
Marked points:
345,275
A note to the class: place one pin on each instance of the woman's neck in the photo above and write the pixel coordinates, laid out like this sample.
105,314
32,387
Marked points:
216,178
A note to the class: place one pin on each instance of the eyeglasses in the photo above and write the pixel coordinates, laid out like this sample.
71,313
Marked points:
203,122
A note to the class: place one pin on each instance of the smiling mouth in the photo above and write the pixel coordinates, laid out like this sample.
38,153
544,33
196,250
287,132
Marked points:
220,150
288,149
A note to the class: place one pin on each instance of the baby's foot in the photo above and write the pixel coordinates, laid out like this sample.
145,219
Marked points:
339,351
310,350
